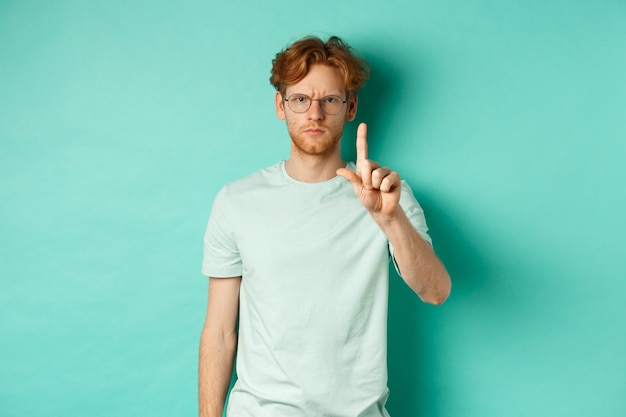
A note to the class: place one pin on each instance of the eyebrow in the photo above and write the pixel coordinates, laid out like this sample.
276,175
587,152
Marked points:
309,96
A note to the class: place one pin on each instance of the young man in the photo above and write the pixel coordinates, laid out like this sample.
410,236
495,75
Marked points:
298,254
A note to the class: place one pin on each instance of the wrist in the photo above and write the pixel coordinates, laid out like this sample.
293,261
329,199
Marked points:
389,220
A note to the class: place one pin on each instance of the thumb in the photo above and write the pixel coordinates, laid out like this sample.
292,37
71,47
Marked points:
350,176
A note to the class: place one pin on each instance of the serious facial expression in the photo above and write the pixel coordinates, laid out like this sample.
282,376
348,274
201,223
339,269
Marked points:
315,132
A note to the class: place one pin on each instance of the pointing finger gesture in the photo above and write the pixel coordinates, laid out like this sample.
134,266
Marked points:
378,188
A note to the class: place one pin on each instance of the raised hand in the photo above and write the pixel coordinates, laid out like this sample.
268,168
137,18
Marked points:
377,187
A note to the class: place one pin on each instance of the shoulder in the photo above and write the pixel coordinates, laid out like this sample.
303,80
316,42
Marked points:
407,191
407,198
252,183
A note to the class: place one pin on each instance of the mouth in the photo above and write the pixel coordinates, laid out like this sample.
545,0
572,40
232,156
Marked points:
314,131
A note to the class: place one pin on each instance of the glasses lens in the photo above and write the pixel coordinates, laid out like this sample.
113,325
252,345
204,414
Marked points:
331,104
299,103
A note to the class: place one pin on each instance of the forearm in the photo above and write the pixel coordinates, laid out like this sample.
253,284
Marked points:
217,352
418,264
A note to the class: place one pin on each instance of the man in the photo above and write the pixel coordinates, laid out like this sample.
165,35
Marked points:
298,253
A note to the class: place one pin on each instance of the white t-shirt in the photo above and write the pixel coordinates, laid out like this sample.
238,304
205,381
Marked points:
313,297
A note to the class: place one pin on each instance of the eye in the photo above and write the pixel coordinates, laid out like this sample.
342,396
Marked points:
331,99
299,99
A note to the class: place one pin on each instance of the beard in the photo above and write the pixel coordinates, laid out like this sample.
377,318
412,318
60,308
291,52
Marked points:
315,145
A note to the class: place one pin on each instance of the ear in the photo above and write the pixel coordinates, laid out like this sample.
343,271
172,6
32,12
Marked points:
280,105
352,105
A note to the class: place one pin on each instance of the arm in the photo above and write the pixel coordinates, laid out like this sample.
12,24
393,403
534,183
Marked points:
417,263
379,190
217,345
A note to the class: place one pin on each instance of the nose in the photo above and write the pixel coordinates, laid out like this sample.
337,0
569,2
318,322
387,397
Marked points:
315,111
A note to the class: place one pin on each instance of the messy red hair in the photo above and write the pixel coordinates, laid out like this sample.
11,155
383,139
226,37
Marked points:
293,63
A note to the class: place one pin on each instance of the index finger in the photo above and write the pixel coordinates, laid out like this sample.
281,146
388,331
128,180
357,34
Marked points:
361,142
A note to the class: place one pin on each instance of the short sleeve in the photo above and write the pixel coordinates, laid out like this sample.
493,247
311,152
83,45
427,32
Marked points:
221,256
414,212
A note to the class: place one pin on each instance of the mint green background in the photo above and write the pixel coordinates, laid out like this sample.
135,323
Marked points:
120,120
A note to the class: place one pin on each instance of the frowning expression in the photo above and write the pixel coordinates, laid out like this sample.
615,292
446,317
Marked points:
314,132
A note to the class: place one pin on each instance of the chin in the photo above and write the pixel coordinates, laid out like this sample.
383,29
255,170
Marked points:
316,148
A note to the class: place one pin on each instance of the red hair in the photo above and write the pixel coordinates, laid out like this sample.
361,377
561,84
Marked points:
293,63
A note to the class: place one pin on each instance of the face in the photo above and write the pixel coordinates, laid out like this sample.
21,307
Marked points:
314,132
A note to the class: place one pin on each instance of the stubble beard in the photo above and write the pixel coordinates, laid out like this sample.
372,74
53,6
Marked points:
310,147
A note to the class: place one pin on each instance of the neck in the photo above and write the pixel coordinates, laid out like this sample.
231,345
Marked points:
313,168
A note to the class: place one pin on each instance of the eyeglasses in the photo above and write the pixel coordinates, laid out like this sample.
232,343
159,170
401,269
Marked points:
300,103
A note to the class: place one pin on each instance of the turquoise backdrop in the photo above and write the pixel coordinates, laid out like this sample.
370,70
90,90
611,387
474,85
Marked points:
120,120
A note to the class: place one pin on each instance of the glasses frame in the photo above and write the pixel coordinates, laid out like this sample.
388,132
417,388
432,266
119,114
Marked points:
311,100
